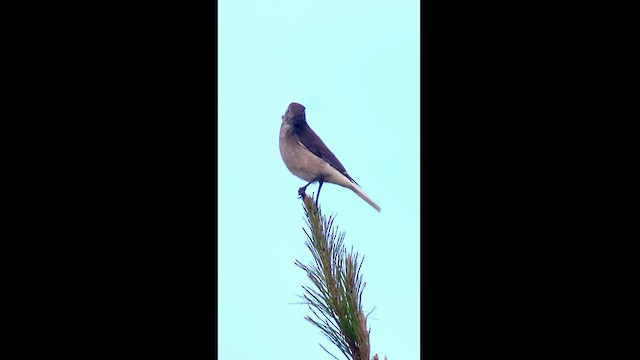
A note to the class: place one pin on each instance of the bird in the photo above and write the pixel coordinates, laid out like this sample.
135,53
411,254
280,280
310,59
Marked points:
308,158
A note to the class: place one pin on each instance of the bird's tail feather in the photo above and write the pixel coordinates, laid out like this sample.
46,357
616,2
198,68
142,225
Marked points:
365,197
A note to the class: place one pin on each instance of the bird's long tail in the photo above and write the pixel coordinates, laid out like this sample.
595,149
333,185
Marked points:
364,196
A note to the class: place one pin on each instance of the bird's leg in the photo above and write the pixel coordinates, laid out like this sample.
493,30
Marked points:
319,187
302,189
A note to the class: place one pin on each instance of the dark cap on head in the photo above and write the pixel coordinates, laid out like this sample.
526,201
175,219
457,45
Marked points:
296,108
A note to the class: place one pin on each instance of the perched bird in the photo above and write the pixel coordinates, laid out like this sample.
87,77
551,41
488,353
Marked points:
308,158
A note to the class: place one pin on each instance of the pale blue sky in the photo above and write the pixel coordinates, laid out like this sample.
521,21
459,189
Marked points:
354,65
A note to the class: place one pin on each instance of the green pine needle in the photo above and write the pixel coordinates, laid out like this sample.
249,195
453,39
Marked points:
335,299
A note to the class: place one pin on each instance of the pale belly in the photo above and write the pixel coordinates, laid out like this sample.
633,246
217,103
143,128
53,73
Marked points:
304,164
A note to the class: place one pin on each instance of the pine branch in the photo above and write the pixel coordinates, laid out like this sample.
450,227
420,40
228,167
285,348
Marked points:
336,299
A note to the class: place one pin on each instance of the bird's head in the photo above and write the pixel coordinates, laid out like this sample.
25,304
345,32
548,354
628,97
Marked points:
294,111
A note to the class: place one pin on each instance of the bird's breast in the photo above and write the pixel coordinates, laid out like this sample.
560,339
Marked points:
298,159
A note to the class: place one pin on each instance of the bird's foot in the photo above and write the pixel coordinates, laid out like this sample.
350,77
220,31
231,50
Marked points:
301,191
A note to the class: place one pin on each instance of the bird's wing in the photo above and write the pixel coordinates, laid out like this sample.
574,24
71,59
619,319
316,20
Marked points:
309,139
